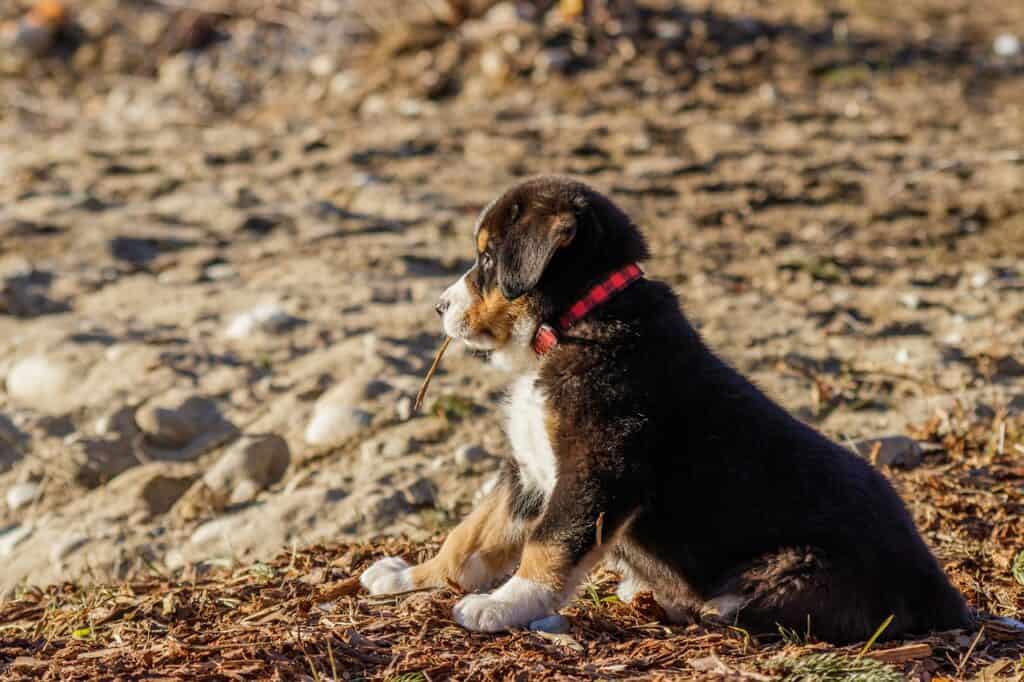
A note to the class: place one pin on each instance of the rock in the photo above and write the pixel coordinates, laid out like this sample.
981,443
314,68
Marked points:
1006,45
270,318
119,423
155,486
420,493
261,225
212,530
25,295
11,443
382,510
556,624
9,432
64,547
336,415
387,448
35,381
247,467
466,456
22,494
894,451
175,419
332,424
12,537
94,461
403,408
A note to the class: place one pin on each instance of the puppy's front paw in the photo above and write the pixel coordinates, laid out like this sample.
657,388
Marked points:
387,576
484,613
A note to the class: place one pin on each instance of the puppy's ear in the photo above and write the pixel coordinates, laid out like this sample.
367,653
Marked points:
526,253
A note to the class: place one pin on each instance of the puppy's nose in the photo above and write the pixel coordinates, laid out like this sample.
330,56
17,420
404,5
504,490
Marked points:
442,306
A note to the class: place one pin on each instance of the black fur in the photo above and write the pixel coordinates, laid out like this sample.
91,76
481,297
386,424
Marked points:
715,488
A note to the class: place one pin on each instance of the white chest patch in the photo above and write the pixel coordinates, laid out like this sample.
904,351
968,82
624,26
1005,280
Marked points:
527,431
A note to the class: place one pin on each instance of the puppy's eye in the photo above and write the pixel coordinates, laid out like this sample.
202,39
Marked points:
486,261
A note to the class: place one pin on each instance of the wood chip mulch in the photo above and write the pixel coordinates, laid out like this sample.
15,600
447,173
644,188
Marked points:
304,616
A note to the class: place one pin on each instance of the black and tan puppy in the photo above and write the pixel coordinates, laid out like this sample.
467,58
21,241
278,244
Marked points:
633,442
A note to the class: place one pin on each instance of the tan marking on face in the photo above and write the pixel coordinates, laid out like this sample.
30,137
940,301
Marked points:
495,315
488,533
545,564
482,237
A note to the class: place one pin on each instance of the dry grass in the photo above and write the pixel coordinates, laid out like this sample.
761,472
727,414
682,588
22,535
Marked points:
303,614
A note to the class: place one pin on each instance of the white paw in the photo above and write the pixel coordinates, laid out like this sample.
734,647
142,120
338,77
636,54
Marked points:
517,603
628,588
387,576
484,613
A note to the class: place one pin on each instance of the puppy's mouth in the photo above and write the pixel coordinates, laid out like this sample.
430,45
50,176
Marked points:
480,342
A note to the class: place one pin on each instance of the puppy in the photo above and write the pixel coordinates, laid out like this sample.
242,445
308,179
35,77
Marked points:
633,442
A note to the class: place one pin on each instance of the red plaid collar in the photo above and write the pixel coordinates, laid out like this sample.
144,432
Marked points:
546,337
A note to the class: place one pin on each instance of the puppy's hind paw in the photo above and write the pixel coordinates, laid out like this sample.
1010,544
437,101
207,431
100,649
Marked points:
388,576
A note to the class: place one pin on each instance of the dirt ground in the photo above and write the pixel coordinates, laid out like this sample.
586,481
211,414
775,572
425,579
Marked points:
221,238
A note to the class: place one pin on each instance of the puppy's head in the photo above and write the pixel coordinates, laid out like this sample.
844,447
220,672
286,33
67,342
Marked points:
539,246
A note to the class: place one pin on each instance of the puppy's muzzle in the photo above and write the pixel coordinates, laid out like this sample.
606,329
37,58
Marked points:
442,305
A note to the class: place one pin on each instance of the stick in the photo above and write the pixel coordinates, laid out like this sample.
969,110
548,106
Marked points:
430,373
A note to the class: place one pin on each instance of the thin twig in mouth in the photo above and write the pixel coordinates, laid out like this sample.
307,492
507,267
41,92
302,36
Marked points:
430,373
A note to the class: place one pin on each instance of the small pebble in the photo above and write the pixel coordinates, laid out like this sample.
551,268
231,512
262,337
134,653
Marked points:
468,455
34,381
1006,45
22,494
403,408
62,549
556,624
12,538
266,318
894,451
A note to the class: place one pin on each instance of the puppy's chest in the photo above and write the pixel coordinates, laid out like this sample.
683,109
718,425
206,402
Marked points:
527,427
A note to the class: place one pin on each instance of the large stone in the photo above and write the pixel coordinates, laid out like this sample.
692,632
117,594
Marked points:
247,467
331,424
174,420
181,426
337,415
92,462
154,486
38,381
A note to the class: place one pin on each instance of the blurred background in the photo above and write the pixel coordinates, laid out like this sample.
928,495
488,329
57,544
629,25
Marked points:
223,226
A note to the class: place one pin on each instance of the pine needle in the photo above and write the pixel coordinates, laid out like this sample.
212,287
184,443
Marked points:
878,633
